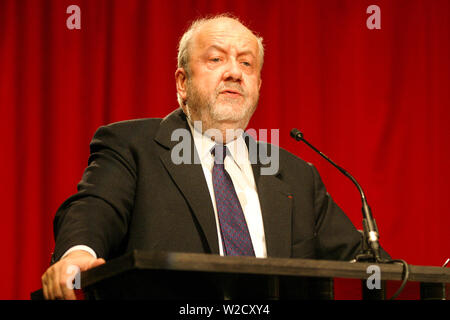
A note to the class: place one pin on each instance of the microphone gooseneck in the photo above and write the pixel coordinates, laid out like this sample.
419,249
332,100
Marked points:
369,224
370,247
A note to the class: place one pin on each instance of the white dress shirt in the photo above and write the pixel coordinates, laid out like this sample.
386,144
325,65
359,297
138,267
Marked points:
238,166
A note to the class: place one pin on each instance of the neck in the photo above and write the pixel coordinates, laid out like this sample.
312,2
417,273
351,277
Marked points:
221,133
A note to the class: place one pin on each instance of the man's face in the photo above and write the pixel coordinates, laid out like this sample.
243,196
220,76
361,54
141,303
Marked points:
222,88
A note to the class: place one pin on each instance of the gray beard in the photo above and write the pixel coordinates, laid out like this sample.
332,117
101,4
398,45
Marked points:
198,103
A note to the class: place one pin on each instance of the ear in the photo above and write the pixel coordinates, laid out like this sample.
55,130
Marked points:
181,82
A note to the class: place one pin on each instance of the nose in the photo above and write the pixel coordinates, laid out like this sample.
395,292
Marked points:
233,71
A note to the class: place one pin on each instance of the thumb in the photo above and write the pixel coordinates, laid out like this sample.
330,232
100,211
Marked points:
96,263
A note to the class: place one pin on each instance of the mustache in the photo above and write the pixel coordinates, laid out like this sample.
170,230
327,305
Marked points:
230,86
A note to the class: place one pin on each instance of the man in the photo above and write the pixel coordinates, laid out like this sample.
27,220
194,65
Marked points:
134,196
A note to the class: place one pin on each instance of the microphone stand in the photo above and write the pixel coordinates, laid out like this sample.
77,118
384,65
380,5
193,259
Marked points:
370,250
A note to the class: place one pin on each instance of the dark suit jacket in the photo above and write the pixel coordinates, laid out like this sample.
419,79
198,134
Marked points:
132,196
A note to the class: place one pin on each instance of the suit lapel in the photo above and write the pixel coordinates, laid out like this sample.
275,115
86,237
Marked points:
189,177
275,200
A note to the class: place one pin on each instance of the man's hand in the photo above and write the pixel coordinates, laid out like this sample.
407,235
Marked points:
55,279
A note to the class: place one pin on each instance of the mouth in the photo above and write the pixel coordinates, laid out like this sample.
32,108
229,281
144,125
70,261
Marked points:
231,93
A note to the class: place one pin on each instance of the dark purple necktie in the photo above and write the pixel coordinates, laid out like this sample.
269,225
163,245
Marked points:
235,236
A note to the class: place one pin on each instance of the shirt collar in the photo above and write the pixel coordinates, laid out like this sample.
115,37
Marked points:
237,148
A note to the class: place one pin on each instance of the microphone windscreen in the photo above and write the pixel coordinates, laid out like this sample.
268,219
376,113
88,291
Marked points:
296,134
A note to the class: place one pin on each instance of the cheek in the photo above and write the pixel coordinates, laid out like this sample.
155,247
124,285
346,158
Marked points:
253,88
208,80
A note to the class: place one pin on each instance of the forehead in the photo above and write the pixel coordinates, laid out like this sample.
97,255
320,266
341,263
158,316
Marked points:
224,33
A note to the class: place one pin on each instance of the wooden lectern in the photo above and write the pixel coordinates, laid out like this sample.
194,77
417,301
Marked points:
156,275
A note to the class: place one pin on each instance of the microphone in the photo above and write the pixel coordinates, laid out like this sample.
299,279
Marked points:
370,228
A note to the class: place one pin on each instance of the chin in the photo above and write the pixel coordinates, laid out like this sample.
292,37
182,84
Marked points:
229,112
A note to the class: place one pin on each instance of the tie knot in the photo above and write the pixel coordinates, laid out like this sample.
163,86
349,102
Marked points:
219,152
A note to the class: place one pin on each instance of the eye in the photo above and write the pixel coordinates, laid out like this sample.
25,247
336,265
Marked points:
246,63
217,59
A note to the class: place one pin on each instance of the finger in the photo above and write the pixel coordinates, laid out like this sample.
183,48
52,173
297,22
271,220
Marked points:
67,283
56,284
44,286
68,294
49,286
97,263
45,292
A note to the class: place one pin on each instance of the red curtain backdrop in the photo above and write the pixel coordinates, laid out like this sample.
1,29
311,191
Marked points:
376,101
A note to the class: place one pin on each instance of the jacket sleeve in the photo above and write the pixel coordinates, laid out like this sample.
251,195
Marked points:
99,213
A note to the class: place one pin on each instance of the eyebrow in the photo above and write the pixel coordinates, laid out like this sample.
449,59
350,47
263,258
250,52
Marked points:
219,48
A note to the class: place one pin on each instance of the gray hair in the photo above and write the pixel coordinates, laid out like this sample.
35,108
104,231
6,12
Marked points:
183,45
